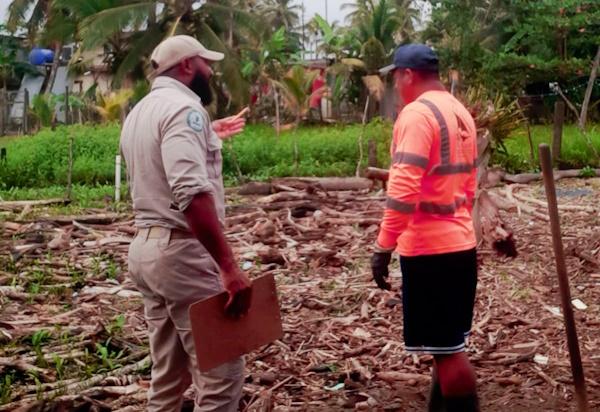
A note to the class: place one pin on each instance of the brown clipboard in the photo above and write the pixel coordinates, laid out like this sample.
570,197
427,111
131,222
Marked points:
219,339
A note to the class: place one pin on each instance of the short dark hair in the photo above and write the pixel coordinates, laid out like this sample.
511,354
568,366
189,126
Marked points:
428,74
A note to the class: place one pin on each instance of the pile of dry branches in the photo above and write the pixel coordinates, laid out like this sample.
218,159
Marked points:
343,337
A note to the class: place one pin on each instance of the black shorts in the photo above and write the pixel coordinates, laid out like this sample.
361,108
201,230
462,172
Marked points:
438,295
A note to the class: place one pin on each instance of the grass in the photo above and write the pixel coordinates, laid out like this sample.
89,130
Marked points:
323,151
36,167
576,151
41,161
83,197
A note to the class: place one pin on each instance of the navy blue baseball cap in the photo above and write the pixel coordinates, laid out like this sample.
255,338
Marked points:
413,56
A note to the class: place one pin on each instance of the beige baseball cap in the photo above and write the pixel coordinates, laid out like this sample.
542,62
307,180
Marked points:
176,48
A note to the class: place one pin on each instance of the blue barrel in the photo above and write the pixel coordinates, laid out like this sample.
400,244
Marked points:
39,56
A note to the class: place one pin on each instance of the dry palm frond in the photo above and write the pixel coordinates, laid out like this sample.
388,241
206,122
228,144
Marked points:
110,106
499,115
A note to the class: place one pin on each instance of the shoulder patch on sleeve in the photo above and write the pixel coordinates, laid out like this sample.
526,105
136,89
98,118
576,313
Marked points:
195,120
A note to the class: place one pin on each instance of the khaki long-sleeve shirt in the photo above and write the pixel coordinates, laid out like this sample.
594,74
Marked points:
172,153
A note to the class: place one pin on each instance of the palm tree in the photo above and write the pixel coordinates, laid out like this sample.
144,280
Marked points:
281,13
408,16
388,21
130,29
265,64
18,9
464,36
297,91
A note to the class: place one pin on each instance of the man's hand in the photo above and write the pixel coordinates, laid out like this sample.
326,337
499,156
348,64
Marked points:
203,222
229,126
239,288
379,266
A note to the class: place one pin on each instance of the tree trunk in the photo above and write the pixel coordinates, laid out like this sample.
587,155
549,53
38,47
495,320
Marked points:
588,92
277,120
230,29
372,156
303,183
296,154
54,69
559,119
360,136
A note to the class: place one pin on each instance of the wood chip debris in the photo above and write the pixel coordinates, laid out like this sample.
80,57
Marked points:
342,347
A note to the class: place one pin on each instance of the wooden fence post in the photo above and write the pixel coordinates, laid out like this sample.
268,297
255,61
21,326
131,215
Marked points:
3,104
25,111
70,168
559,120
67,117
372,153
563,280
117,178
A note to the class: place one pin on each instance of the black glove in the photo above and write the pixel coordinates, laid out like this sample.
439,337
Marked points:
379,266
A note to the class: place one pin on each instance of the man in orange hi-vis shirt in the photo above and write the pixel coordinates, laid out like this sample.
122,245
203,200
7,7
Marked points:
427,220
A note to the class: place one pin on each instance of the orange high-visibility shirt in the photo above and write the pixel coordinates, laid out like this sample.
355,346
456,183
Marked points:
432,178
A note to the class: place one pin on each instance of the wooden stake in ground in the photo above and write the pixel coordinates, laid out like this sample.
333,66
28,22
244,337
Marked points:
70,168
559,119
117,178
563,280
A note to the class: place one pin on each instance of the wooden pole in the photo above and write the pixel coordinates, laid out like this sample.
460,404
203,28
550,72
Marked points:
372,153
588,91
3,104
25,111
117,178
563,279
360,135
559,120
67,117
70,168
529,139
277,119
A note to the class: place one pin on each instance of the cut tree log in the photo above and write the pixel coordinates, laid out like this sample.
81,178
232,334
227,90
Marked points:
328,184
558,174
255,188
383,174
97,219
16,205
490,227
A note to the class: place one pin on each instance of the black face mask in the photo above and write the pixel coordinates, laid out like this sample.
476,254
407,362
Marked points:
201,87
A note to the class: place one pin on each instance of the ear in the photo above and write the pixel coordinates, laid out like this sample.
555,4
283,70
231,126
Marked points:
409,76
186,66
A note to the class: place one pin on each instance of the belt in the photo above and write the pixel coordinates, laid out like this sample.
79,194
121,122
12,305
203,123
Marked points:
158,232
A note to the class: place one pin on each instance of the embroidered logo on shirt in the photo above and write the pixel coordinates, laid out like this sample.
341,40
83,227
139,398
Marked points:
195,120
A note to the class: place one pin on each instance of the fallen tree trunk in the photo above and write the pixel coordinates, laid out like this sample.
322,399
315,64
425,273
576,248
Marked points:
376,173
97,219
490,227
16,205
558,174
382,175
328,184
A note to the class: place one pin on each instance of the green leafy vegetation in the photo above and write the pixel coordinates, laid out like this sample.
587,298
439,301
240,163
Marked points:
41,161
35,167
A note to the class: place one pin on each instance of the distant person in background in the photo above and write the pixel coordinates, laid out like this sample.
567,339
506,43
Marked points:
316,94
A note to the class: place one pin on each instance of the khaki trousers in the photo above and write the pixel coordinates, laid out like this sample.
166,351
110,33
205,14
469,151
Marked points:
171,274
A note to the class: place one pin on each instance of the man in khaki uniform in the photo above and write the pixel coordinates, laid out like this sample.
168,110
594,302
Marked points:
180,254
